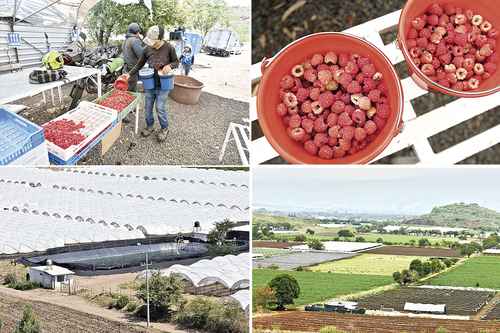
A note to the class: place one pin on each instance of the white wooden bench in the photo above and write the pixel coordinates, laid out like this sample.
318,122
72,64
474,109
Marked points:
417,129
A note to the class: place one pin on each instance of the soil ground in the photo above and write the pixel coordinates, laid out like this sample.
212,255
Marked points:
196,131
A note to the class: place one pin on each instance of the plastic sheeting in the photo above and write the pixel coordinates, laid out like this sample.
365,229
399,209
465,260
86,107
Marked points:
242,297
231,271
156,207
23,233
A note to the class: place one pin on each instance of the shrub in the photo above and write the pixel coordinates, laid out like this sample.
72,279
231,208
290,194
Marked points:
330,329
25,285
299,269
285,288
131,306
10,278
316,244
121,302
165,292
210,315
273,266
448,263
264,297
300,238
29,323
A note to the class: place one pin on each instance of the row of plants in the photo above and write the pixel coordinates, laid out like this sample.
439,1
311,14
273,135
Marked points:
27,324
12,281
419,269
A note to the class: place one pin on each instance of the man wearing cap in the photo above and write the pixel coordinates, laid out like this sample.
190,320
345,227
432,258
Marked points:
160,56
132,51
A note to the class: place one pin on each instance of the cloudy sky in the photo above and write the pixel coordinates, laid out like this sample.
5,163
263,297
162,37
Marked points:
374,189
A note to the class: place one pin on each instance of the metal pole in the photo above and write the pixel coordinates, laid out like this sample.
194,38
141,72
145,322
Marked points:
147,286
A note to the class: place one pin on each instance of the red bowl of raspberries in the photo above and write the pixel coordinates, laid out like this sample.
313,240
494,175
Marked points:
329,98
450,45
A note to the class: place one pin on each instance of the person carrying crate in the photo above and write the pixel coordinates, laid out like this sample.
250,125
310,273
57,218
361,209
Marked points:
161,57
187,59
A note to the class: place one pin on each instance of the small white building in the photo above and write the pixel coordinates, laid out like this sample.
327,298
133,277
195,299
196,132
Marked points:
50,276
425,308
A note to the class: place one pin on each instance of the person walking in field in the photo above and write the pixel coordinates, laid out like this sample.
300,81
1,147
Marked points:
187,59
160,56
133,48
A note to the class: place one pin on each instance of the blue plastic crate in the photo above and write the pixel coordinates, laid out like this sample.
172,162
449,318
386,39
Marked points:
17,136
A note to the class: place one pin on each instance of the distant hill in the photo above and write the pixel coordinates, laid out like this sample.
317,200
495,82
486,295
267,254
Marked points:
459,215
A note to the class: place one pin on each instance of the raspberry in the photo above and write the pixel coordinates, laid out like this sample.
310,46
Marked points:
479,69
320,139
374,95
359,134
345,144
287,82
338,74
332,118
460,19
485,26
310,75
354,87
344,119
293,110
383,111
412,33
370,113
331,58
298,71
345,79
369,84
332,141
326,99
306,107
338,107
281,109
370,127
314,94
338,152
359,117
359,77
334,131
316,60
325,152
461,73
473,83
302,94
345,98
323,67
449,9
418,23
290,99
425,33
351,68
364,103
332,85
325,76
368,70
433,20
349,109
311,147
316,108
298,134
428,69
307,125
426,57
295,121
486,50
343,59
318,84
365,61
286,120
379,121
411,43
490,67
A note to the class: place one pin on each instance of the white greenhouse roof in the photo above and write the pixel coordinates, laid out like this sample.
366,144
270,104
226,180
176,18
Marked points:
342,246
24,233
492,251
429,308
242,297
231,271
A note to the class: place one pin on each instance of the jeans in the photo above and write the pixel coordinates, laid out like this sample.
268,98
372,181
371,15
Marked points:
187,69
161,99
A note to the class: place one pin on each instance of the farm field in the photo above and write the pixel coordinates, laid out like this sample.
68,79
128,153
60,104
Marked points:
415,251
372,264
483,270
314,321
269,251
317,286
293,260
401,239
458,302
273,244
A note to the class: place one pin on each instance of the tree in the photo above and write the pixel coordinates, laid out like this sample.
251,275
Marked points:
285,288
203,15
416,265
345,233
310,231
316,244
165,292
360,239
300,238
423,242
219,232
29,323
380,240
108,17
264,297
405,277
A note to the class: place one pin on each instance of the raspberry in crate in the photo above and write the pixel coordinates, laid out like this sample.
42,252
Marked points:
118,100
64,133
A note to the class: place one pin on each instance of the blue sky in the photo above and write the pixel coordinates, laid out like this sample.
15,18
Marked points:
374,189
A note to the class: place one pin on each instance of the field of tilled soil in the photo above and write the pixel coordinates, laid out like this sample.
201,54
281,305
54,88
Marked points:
274,245
494,313
56,319
415,251
314,321
458,302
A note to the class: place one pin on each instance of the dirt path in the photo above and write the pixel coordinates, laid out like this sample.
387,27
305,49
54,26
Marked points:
227,77
77,311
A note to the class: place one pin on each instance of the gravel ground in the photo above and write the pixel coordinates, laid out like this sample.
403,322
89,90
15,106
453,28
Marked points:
195,138
276,23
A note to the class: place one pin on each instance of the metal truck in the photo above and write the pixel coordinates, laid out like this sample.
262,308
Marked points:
222,42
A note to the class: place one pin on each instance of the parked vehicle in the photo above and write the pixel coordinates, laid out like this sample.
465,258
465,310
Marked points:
222,42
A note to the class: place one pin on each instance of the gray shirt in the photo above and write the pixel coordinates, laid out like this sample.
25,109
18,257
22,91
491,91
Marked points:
132,50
